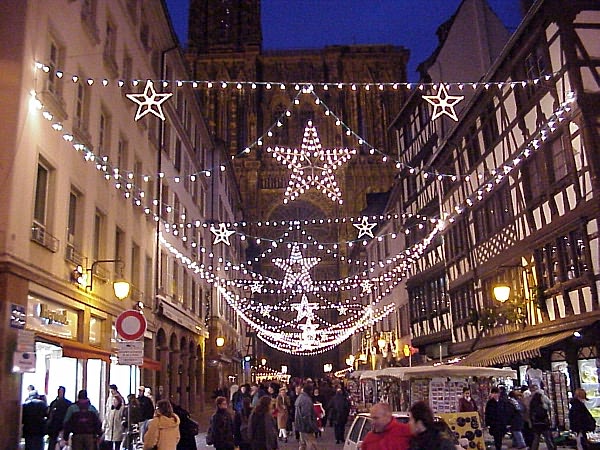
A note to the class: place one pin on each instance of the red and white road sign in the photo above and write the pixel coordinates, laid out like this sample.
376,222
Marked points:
131,325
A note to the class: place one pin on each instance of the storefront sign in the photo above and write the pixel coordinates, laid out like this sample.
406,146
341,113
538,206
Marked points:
17,316
51,318
23,362
178,317
130,353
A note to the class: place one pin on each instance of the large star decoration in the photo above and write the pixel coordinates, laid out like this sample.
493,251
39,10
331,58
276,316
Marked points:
221,234
312,165
150,102
296,269
364,227
443,103
304,308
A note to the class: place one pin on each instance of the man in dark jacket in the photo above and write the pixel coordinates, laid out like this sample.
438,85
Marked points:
34,421
221,424
339,409
305,419
497,414
56,416
580,418
82,420
147,408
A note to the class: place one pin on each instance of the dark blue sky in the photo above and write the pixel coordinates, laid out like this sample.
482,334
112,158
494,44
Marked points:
289,24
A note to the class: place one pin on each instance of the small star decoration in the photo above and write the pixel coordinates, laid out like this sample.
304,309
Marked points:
149,102
309,331
367,286
221,234
304,308
443,103
364,227
256,287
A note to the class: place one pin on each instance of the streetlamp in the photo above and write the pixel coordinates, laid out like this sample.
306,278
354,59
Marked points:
327,368
220,341
263,361
501,292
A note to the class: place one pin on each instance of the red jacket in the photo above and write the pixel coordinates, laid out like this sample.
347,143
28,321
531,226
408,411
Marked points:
395,436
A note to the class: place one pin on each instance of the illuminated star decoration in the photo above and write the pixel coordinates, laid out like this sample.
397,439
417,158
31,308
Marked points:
149,102
364,227
265,310
309,332
296,269
312,165
256,287
367,286
443,103
304,308
342,310
221,234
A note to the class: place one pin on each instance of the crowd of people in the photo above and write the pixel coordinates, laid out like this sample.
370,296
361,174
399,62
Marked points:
126,423
256,417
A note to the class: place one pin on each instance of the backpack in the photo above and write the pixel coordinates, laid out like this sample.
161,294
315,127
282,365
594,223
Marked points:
210,434
85,421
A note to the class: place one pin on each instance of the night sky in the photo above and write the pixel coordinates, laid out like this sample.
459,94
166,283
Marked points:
293,24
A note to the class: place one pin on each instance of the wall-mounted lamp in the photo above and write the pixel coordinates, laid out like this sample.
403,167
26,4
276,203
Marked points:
327,368
381,343
85,278
220,341
501,292
263,362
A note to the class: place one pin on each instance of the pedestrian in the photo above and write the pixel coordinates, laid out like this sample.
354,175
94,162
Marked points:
56,416
256,392
386,432
581,419
339,409
295,391
147,408
188,428
517,419
83,422
466,402
130,419
35,410
163,429
220,431
111,426
237,398
261,426
240,426
497,412
282,406
305,419
428,434
539,414
113,391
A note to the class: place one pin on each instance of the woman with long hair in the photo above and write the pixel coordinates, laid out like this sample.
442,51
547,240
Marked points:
163,429
111,427
261,426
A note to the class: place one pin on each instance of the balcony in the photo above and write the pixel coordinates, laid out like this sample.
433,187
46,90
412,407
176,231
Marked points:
40,236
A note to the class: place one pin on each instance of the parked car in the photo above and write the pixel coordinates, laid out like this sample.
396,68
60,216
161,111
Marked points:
362,425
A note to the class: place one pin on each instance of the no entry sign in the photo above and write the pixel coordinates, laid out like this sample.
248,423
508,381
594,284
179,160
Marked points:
131,325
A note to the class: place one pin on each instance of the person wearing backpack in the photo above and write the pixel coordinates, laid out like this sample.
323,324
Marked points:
497,414
539,410
581,419
240,425
83,422
220,430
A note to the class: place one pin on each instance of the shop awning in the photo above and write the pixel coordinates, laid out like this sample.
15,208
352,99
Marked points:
514,351
74,349
406,373
151,364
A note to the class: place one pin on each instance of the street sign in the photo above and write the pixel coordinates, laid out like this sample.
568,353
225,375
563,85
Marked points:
130,353
25,341
17,316
23,362
131,325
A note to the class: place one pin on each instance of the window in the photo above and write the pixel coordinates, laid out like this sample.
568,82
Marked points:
110,47
495,213
164,201
457,240
81,116
99,236
428,299
407,135
177,156
73,247
122,155
423,114
564,258
89,11
119,244
127,67
148,271
546,170
41,195
135,264
472,147
104,132
54,63
537,64
463,302
489,127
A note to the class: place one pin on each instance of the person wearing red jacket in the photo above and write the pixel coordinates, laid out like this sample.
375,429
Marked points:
386,432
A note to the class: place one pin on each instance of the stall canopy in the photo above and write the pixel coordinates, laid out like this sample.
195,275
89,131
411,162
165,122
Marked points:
405,373
514,351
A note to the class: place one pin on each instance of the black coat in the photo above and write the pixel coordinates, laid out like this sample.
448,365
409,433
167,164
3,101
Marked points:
34,417
497,414
56,415
580,418
262,431
517,418
339,408
146,406
222,426
432,439
187,440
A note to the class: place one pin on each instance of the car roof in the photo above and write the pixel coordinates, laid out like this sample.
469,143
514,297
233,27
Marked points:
394,414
